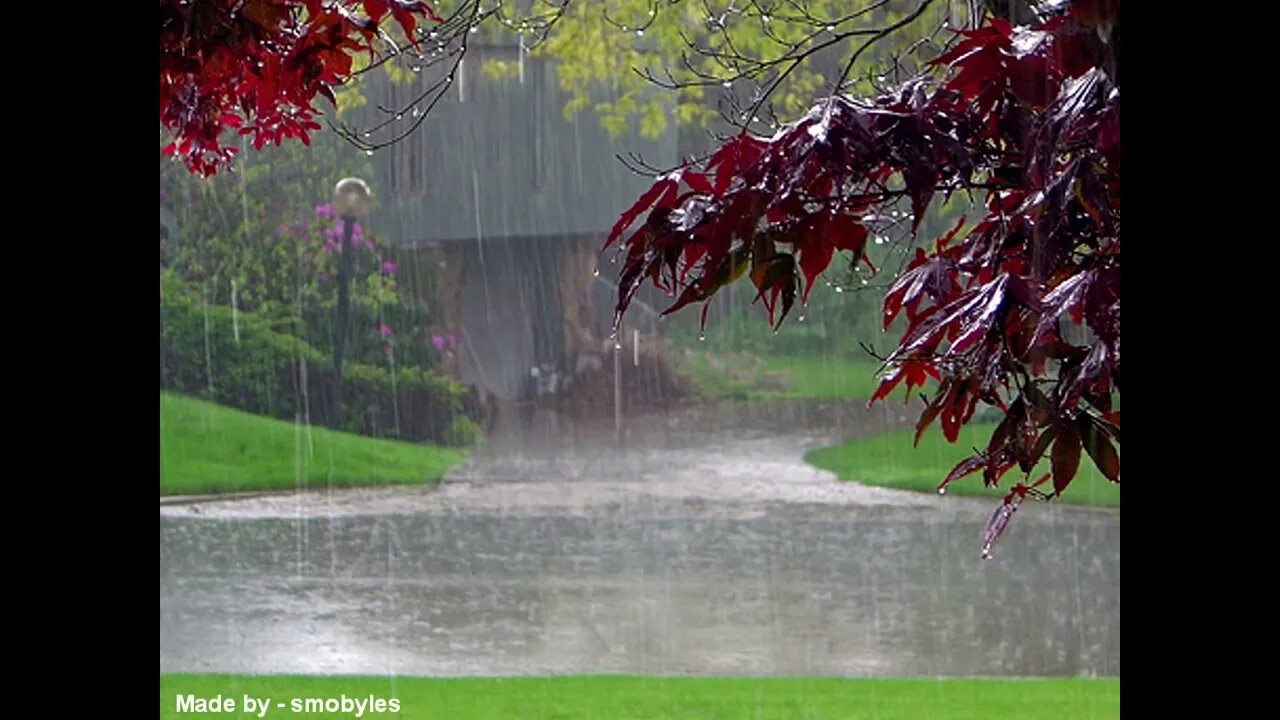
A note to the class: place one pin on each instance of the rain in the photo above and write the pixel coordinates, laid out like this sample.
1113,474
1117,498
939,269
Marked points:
404,434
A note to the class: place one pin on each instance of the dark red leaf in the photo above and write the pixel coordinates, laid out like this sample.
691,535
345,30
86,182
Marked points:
664,186
814,258
1066,456
697,181
1095,442
999,520
931,411
968,466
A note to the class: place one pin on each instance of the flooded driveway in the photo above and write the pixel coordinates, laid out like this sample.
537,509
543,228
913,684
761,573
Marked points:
680,549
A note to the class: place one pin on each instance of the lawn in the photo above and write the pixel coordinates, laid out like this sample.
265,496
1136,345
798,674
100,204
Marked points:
208,448
658,698
745,377
890,461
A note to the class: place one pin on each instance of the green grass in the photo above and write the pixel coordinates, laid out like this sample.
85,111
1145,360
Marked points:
666,698
742,377
890,461
208,448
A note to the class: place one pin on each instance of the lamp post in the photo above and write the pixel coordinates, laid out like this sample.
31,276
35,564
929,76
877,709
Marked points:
350,202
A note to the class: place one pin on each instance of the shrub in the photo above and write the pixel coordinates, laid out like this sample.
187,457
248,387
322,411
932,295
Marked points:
240,361
463,431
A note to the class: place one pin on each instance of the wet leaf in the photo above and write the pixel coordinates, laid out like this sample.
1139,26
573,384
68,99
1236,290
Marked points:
1100,449
1066,456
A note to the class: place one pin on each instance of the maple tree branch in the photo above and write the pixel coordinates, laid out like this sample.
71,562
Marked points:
435,91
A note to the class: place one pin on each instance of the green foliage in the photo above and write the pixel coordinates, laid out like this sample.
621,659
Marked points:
462,432
265,236
603,50
239,359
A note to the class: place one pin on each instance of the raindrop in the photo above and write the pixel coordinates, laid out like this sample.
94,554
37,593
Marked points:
617,346
801,318
368,134
702,337
880,78
639,33
864,281
399,116
881,239
368,152
434,34
416,68
650,12
840,289
595,273
831,28
475,29
728,83
942,491
416,112
765,18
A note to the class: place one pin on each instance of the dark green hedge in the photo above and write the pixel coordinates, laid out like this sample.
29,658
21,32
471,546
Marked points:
265,372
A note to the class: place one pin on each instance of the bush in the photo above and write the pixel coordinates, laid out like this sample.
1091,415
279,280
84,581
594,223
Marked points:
461,432
242,362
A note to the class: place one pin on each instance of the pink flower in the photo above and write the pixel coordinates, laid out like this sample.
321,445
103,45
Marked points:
385,331
325,211
388,267
444,344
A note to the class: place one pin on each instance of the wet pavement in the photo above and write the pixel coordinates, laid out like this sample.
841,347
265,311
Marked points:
680,548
